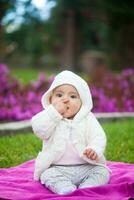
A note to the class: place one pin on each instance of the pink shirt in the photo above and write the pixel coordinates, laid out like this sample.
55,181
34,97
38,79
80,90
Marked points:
70,156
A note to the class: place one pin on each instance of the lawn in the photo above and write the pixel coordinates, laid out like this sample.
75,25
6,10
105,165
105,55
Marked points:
15,149
24,75
28,74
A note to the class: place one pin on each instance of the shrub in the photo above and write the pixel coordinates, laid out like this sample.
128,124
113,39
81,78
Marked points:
111,93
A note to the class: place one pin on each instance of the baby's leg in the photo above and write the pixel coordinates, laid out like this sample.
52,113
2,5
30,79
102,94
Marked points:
56,181
96,176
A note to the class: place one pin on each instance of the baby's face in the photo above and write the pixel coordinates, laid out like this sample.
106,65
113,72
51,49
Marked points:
68,95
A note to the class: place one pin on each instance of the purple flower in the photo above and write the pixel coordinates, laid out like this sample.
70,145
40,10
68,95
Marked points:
3,70
111,93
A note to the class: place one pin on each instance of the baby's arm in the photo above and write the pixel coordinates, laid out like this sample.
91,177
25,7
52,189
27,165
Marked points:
45,122
97,139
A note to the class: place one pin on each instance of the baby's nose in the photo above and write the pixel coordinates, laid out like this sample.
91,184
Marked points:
65,100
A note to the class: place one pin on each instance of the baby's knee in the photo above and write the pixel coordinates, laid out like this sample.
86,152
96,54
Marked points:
105,173
48,174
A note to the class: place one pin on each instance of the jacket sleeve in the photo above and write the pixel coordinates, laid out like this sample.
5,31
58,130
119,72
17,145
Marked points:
96,136
44,123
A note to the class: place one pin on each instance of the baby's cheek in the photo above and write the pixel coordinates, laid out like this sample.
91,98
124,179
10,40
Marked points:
55,100
73,111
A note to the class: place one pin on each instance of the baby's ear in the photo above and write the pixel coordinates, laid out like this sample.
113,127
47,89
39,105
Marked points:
50,99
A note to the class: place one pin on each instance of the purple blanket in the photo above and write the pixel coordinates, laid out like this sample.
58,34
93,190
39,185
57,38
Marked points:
17,183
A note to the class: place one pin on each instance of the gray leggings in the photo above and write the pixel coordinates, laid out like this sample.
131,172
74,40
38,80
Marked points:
65,179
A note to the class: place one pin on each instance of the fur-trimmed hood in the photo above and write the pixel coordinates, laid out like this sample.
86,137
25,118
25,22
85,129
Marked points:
68,77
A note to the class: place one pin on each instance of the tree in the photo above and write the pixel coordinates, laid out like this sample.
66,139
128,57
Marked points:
102,25
27,38
75,25
120,23
5,6
73,28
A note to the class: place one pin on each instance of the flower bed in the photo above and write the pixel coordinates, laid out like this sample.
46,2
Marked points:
112,93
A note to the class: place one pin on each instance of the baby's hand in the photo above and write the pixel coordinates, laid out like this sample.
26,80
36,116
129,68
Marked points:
60,107
91,154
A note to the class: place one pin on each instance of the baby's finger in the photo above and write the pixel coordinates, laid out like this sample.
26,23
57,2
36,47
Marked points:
85,152
94,156
90,154
88,150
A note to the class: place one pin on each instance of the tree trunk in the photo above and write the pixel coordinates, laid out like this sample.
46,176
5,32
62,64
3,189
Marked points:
127,46
2,45
68,56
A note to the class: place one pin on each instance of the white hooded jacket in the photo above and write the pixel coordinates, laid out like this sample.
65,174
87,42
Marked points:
52,128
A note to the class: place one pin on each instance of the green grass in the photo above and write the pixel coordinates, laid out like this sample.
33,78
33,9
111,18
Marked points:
15,149
24,75
27,74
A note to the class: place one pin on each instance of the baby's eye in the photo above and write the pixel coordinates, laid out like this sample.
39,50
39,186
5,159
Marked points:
58,95
73,96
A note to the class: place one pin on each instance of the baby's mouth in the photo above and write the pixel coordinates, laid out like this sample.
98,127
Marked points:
67,107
